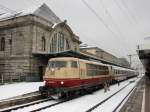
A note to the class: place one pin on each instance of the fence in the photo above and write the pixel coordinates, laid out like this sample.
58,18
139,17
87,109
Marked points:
11,77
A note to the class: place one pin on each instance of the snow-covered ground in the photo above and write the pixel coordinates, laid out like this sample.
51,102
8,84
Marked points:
84,103
16,89
113,102
80,104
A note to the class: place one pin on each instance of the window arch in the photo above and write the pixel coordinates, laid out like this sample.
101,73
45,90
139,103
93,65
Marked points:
2,44
43,44
59,43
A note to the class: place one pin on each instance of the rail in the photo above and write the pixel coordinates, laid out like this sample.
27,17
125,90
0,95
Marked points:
25,105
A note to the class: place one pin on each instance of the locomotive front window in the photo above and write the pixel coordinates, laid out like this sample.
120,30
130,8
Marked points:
57,64
74,64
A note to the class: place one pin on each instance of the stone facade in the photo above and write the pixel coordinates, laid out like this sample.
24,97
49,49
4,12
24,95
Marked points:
23,35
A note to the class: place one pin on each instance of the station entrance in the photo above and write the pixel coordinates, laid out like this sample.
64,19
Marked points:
41,72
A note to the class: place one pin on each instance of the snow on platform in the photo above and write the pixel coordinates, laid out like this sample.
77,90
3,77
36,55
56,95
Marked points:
16,89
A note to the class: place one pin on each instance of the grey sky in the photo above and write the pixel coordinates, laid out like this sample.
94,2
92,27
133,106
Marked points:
126,21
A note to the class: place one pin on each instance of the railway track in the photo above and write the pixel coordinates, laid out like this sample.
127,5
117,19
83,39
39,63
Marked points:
124,99
25,105
55,104
133,101
63,101
50,104
20,100
102,102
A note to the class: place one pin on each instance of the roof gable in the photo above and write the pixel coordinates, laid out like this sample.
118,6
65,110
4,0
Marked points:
45,12
42,11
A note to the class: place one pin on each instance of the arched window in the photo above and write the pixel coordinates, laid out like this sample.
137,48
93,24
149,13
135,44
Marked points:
59,43
67,45
2,44
43,44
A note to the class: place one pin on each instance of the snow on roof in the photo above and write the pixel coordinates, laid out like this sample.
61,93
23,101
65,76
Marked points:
39,10
6,16
55,24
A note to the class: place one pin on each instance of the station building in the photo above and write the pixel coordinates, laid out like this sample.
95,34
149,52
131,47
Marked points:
103,55
27,37
34,31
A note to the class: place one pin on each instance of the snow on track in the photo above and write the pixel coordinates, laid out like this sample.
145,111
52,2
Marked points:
13,90
36,106
115,100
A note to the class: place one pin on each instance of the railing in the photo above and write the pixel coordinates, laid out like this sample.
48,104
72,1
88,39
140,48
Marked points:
10,77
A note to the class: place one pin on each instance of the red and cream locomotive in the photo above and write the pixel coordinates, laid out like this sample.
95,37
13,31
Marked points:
67,75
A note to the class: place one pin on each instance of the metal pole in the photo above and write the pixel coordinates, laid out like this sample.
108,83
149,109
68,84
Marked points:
130,59
2,79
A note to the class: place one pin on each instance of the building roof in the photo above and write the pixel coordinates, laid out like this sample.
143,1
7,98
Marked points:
75,54
39,10
98,49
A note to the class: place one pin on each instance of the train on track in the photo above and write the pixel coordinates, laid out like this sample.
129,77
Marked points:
66,76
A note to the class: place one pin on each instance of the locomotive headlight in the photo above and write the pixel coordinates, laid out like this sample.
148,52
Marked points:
52,69
62,82
44,82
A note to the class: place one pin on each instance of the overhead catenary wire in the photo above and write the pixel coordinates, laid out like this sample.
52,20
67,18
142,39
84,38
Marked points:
114,24
123,11
129,11
131,15
100,18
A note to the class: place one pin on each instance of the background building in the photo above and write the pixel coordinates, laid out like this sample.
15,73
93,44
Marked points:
101,54
27,33
124,62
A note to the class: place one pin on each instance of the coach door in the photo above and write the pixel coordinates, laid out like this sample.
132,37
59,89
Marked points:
82,70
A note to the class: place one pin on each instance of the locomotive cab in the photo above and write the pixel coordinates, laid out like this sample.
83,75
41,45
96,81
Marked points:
61,73
61,68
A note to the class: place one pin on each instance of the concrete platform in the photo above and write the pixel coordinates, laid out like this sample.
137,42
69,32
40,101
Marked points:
139,100
147,95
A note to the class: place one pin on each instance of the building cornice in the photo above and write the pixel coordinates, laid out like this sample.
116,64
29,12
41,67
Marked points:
25,21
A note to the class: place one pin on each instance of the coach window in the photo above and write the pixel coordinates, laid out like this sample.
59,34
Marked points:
113,71
105,70
116,71
74,64
2,42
